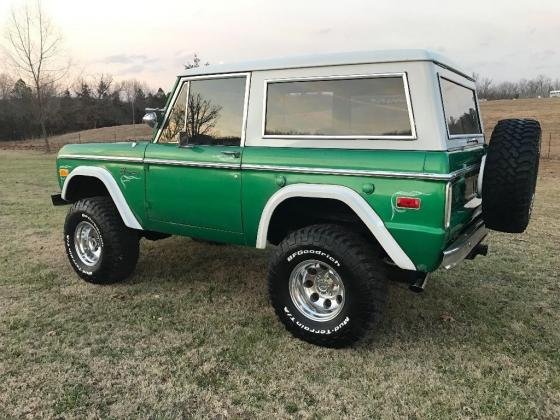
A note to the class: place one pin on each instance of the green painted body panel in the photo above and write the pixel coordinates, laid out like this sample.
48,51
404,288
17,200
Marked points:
121,149
130,176
419,232
453,161
225,203
209,198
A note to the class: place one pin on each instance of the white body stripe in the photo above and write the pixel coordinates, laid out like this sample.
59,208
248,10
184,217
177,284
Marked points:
116,194
351,198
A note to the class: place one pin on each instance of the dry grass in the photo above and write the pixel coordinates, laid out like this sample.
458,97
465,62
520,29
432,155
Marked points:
192,334
95,135
546,110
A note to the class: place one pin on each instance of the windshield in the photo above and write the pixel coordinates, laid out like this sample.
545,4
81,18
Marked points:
459,105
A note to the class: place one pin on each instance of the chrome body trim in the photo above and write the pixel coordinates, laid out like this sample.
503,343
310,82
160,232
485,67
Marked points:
279,168
362,172
96,157
402,75
469,147
473,203
463,245
448,204
190,163
480,177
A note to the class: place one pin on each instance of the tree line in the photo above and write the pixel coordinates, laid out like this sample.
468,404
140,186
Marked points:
538,87
90,103
34,103
99,101
34,98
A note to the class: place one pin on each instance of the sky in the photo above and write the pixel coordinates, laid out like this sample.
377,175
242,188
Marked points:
151,40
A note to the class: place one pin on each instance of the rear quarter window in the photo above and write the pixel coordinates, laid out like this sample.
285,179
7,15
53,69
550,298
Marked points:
459,106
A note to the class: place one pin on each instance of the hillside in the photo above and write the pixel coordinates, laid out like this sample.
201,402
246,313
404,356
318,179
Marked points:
104,134
547,111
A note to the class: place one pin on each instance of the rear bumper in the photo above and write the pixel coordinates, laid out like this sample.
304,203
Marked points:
464,244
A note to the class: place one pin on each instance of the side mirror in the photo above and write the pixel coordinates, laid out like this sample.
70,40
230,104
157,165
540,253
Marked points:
150,119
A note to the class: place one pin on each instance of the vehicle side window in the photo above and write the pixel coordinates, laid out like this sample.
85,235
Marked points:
459,105
362,107
175,122
215,111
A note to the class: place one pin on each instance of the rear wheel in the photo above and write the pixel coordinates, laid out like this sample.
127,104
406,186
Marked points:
326,285
510,175
101,249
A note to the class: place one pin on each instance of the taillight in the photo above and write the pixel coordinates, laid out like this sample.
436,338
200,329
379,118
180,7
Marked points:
408,203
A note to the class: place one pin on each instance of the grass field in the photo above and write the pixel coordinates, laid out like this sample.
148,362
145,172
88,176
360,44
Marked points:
192,333
545,110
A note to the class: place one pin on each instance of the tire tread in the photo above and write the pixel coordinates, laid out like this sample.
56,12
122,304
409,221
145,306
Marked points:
510,174
358,256
120,243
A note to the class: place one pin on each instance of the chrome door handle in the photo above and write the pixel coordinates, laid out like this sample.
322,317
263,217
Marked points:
234,154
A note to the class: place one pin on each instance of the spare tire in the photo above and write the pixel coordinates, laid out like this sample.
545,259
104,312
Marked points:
510,175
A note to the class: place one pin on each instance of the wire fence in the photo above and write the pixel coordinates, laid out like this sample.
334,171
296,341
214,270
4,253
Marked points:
550,146
549,149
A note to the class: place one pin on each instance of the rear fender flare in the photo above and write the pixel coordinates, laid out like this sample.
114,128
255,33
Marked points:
349,197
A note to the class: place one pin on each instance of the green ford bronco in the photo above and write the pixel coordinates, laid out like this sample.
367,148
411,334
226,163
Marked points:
359,168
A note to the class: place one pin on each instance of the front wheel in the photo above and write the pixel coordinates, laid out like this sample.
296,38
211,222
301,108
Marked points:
327,285
101,249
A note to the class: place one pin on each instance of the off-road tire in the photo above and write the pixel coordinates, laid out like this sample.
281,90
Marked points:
510,175
120,245
361,271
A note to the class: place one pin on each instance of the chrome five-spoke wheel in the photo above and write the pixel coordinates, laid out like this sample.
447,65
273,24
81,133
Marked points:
317,290
87,243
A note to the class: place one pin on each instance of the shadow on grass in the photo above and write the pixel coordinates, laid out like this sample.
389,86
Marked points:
456,306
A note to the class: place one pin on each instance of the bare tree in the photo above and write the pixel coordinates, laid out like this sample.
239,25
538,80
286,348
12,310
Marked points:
130,90
201,116
34,50
483,86
102,84
195,62
543,85
6,85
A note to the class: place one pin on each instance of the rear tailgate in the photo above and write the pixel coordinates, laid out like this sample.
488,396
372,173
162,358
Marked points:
464,205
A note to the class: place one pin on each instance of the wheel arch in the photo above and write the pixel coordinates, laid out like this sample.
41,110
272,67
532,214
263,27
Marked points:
104,176
348,197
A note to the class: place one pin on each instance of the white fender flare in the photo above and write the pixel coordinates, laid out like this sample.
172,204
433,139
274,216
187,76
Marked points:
349,197
116,194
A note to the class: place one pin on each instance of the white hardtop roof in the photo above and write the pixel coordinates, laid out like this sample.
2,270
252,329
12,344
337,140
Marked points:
333,59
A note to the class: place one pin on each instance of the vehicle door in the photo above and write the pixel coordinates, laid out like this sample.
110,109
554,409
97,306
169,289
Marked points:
193,169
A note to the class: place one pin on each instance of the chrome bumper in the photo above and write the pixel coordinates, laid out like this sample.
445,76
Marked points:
464,244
